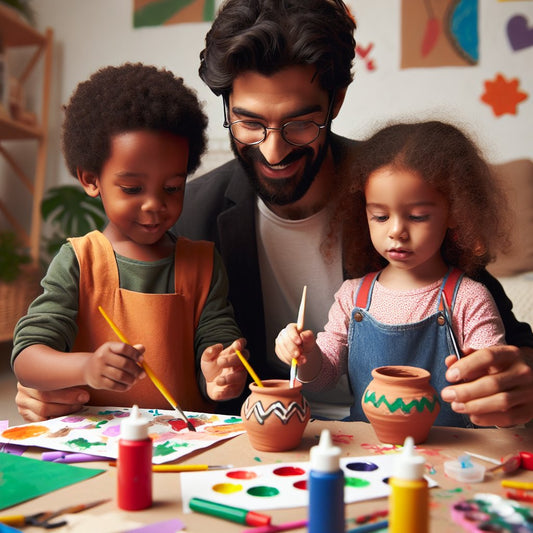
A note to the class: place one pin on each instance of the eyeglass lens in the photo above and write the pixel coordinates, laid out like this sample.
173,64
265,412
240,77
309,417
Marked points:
298,132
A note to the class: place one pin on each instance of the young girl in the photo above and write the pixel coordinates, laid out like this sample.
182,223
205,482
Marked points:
131,135
433,213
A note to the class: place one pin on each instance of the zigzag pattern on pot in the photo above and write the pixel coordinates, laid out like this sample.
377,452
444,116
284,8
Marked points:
276,409
419,405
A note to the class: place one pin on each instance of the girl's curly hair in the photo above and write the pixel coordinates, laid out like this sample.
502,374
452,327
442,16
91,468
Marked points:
449,161
126,98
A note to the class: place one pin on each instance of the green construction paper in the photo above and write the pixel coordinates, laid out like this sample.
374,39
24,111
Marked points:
23,478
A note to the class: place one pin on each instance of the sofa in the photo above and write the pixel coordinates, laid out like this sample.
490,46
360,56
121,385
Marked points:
514,269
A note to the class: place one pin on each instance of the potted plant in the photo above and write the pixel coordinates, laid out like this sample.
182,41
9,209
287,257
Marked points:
70,213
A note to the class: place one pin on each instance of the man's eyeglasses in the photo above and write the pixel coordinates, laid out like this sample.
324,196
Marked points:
295,132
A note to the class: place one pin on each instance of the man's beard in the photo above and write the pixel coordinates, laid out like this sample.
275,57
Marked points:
281,191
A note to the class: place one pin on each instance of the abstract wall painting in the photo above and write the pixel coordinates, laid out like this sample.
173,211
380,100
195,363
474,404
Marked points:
95,431
164,12
438,33
284,485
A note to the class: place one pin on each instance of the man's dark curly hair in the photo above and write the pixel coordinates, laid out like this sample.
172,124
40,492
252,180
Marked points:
126,98
267,36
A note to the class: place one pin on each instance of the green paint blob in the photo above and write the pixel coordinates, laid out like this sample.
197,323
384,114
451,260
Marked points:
263,491
233,420
356,482
83,444
166,448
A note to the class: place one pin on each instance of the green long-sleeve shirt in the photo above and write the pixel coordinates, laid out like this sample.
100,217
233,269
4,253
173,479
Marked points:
51,318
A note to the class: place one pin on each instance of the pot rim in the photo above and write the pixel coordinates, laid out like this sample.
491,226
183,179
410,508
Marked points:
273,386
400,372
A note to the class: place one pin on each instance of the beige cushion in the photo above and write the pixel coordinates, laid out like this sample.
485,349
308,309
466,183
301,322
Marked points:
517,179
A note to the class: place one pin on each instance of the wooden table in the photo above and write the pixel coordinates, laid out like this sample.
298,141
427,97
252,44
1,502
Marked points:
355,439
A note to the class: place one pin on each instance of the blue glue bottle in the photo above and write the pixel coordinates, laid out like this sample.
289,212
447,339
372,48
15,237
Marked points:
326,488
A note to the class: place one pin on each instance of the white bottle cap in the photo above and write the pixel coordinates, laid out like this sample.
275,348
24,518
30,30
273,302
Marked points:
325,457
135,427
409,465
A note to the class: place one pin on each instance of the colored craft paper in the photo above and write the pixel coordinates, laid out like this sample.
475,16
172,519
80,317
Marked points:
169,526
163,12
95,430
24,478
284,485
438,33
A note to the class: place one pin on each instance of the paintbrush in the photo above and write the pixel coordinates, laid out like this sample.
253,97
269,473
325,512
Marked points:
248,367
448,317
160,387
299,328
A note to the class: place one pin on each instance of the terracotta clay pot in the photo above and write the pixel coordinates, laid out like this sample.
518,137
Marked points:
400,402
275,415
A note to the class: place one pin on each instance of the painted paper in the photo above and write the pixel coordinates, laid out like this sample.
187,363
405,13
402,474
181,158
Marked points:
438,33
284,485
95,430
163,12
503,95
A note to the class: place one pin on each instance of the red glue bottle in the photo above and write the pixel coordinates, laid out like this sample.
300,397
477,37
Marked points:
326,488
134,464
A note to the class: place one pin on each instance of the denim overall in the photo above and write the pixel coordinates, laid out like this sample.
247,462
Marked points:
423,344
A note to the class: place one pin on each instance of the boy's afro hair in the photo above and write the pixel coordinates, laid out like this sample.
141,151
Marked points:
129,97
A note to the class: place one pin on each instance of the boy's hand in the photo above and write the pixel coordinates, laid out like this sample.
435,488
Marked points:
114,366
225,375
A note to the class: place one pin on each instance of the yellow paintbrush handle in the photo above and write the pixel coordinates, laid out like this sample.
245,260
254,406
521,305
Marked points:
249,368
16,520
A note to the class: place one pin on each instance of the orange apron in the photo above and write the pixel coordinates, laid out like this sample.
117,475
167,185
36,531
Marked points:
164,323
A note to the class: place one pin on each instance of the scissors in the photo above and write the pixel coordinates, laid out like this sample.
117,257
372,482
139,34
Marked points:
44,519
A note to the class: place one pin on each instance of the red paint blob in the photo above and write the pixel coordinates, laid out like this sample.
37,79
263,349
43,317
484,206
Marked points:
289,471
241,474
178,424
302,484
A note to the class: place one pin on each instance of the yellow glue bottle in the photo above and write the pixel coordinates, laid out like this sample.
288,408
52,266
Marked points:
409,498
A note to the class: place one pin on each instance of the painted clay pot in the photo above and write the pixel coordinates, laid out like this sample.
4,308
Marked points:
275,415
400,402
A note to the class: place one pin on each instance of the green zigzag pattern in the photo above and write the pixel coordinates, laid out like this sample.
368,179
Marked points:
419,405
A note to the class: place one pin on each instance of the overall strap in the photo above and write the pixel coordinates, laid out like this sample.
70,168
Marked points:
450,284
362,298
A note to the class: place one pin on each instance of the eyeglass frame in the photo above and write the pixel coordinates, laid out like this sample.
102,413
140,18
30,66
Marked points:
266,129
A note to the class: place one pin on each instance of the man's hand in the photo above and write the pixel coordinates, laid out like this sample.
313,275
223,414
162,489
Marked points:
224,373
35,405
493,386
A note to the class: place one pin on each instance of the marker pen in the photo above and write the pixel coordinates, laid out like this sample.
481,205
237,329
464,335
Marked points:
409,498
234,514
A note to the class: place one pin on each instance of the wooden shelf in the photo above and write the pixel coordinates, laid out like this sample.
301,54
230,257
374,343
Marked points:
15,32
12,130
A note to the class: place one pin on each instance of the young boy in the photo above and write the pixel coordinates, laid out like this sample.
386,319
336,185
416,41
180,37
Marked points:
131,135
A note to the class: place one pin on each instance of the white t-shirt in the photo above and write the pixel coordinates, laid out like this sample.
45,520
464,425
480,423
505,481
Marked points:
289,258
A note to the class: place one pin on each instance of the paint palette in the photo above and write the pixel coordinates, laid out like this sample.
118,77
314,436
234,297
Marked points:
95,430
284,485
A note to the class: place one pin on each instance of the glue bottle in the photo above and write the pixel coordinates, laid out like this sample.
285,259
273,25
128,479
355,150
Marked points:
326,488
409,498
134,464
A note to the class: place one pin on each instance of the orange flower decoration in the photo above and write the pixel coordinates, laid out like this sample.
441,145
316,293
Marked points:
503,95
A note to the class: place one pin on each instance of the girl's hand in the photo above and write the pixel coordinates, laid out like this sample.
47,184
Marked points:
114,366
290,344
224,373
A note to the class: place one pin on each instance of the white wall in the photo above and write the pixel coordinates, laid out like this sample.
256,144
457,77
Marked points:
95,33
